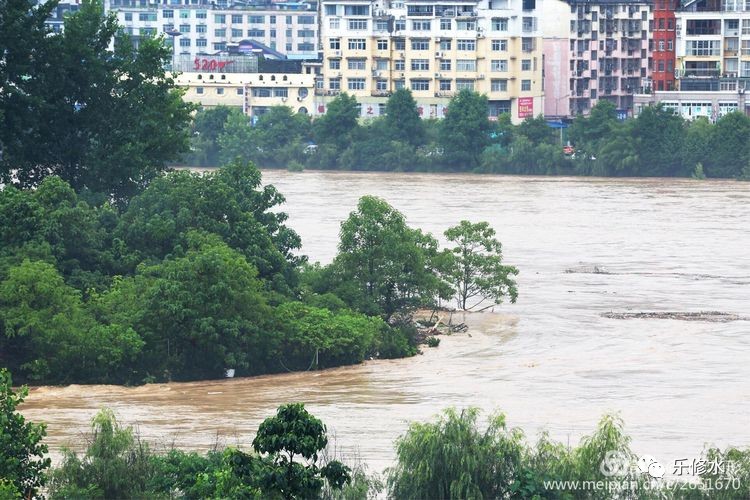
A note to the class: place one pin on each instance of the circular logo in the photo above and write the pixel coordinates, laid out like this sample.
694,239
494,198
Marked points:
615,463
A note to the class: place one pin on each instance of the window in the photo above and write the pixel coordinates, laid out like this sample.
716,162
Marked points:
381,85
184,28
334,84
528,44
357,44
399,84
445,65
357,24
382,44
306,33
525,85
167,14
419,10
466,65
220,32
220,18
499,65
420,25
256,19
746,23
499,85
670,44
334,23
281,92
420,44
199,90
219,91
445,44
356,64
184,42
399,25
528,24
381,25
399,65
466,45
128,16
289,20
147,16
335,43
201,14
381,64
420,65
255,33
334,64
201,42
236,33
356,83
445,85
273,33
500,45
330,10
526,65
356,10
240,91
220,46
466,26
399,44
201,28
703,47
445,24
306,20
289,33
661,45
148,31
236,18
499,24
464,84
420,84
261,92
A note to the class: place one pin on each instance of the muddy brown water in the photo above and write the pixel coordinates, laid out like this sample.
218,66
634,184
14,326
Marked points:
553,361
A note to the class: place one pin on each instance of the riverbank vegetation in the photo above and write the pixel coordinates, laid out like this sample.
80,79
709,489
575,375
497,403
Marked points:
656,143
452,456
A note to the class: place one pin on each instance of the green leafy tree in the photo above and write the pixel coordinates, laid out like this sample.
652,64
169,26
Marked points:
208,125
22,454
536,130
237,142
729,146
340,122
119,108
477,272
383,266
659,134
280,134
402,119
466,129
293,432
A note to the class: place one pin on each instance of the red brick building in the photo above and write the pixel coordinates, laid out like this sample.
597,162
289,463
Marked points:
663,51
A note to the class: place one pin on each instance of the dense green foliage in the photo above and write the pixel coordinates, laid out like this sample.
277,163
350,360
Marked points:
198,274
106,121
117,464
22,453
656,143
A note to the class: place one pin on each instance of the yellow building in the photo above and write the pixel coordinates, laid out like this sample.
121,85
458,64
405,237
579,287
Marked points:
371,49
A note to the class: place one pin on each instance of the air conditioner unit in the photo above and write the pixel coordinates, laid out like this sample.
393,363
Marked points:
283,99
401,75
481,76
480,35
402,55
439,54
438,75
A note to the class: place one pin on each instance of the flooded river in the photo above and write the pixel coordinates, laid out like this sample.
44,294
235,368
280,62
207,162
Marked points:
584,247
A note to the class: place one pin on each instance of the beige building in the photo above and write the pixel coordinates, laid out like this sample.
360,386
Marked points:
371,49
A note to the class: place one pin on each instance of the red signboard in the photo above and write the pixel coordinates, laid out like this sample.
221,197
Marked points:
525,107
210,64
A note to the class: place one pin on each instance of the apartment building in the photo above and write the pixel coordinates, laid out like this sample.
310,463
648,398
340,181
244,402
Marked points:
609,52
663,45
289,29
713,45
371,49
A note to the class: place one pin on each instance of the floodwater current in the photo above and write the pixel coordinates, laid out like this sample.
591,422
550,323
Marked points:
584,247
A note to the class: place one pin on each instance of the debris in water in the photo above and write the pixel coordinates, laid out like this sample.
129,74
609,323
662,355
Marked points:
710,316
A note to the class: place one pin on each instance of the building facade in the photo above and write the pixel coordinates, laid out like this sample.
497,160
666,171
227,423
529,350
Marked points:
693,104
609,52
208,27
371,49
713,45
663,46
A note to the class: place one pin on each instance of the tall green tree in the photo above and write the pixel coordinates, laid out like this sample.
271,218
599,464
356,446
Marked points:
729,146
294,432
22,454
659,134
466,130
108,121
207,126
383,266
402,118
476,271
340,122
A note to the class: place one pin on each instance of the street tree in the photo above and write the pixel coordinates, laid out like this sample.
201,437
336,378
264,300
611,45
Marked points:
477,272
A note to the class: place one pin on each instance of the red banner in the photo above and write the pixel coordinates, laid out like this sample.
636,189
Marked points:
525,107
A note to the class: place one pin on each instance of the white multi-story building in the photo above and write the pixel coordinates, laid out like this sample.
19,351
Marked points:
207,27
434,48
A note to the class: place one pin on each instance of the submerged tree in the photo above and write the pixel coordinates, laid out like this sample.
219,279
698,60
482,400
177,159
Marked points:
476,271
